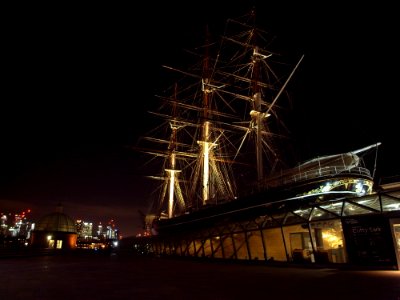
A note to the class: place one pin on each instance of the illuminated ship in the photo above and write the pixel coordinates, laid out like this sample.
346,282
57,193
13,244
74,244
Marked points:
216,152
221,128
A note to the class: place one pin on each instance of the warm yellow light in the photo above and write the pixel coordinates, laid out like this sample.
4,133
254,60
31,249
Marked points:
332,239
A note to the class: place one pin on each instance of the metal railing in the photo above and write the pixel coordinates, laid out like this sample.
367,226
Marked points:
330,171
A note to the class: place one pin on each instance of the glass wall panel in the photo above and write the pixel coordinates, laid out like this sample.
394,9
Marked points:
178,247
207,248
191,248
199,248
171,248
162,248
256,245
334,207
274,244
298,242
292,218
229,249
320,214
216,243
304,213
328,241
167,248
185,247
396,238
389,204
371,201
156,247
351,209
241,246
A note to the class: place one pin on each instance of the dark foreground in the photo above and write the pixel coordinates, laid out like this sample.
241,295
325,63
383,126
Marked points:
123,276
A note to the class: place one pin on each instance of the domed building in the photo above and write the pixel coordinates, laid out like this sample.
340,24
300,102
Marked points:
55,231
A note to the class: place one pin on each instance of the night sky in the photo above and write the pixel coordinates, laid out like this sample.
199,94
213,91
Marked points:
77,82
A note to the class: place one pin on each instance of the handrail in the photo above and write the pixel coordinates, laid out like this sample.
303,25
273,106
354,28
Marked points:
316,173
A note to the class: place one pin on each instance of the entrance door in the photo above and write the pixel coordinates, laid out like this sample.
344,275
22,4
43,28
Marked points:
395,224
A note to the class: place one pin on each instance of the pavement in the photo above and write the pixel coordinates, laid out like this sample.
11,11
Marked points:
124,276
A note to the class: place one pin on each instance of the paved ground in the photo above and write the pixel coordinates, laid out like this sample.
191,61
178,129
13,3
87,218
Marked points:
105,276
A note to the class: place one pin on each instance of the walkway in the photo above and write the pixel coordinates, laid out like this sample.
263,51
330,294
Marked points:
112,276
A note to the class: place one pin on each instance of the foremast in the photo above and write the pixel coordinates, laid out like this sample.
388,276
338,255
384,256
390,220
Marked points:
174,191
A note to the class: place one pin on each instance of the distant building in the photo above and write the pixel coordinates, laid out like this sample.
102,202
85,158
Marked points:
15,225
105,237
84,229
55,231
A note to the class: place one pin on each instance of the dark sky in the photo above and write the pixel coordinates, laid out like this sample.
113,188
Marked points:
77,82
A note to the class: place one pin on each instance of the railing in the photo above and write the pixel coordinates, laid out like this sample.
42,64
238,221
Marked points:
331,171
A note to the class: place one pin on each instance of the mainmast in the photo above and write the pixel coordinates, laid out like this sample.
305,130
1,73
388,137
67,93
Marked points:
205,144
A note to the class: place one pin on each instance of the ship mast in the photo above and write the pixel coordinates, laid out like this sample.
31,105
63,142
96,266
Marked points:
256,114
255,82
205,144
172,172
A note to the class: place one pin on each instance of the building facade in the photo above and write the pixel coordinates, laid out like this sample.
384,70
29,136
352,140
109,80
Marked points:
362,231
54,231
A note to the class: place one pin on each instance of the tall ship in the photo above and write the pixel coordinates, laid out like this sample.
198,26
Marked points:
226,184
